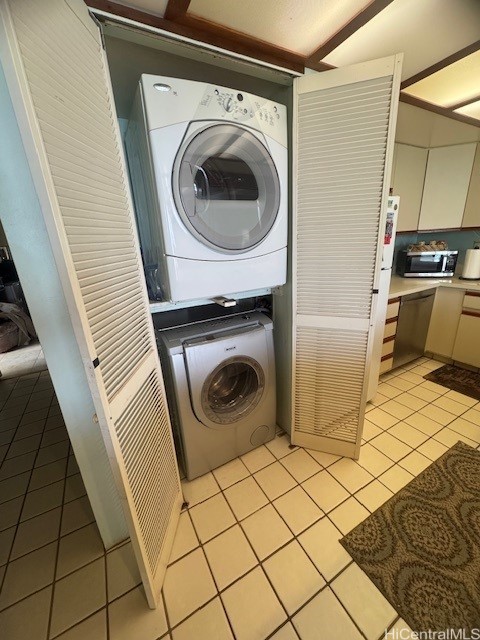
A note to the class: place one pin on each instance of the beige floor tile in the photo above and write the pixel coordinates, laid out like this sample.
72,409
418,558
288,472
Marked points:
350,513
6,540
364,602
252,607
230,473
229,556
274,480
323,459
423,423
14,487
421,371
387,390
198,490
408,434
390,446
297,509
321,542
300,465
433,386
211,517
415,463
461,397
27,619
77,596
28,574
188,585
397,409
325,491
395,478
41,500
373,495
19,447
245,498
76,514
438,414
185,538
287,632
381,418
379,399
412,402
74,488
10,513
17,465
432,449
78,549
373,460
370,430
466,428
401,383
412,377
324,618
280,446
52,453
472,415
122,571
258,458
350,474
293,576
48,474
424,394
36,532
209,623
93,628
450,405
266,531
401,630
448,437
130,618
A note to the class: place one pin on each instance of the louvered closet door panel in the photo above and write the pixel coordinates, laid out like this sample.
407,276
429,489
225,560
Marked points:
344,124
73,140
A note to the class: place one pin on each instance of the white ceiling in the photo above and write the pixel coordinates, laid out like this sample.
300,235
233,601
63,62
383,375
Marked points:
426,31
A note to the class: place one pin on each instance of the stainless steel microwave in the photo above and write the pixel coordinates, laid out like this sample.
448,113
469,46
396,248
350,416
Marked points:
426,264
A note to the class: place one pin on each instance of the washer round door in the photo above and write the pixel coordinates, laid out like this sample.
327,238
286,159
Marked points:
232,390
226,188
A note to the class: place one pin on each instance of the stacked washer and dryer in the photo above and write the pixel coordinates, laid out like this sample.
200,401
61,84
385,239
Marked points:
209,171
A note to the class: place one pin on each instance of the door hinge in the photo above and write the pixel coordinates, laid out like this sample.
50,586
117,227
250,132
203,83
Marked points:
100,28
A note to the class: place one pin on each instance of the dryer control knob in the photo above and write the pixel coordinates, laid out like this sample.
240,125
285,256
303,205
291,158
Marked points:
228,104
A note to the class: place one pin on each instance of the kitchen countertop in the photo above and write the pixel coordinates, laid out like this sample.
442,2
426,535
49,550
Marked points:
403,286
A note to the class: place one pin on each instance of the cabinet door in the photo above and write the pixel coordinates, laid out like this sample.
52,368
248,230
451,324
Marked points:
446,186
467,343
471,216
58,78
408,179
444,321
344,121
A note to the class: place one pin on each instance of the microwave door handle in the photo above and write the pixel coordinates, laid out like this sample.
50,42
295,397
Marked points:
444,264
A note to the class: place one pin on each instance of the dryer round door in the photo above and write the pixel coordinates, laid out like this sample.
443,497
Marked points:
226,188
232,390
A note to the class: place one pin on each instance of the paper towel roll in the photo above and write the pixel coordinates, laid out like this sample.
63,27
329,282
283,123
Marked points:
471,266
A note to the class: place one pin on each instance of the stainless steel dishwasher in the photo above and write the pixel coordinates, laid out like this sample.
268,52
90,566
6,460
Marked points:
412,327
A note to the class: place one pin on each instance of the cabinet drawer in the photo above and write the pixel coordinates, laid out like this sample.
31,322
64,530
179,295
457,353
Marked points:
471,300
386,365
390,329
392,308
387,346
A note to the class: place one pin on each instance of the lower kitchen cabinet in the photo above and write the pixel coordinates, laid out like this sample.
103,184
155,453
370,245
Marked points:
389,335
444,321
467,343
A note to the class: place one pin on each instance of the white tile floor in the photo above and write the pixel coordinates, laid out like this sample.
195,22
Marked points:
256,555
22,361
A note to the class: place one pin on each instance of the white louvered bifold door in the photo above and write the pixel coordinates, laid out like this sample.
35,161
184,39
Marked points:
57,74
344,125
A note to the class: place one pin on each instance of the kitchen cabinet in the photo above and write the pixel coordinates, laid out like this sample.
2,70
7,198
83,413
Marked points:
467,344
442,331
410,164
446,186
386,361
471,215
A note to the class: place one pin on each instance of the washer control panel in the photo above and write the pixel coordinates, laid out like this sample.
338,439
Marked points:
237,105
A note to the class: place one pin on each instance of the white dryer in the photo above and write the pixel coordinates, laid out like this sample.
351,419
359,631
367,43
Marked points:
209,172
220,382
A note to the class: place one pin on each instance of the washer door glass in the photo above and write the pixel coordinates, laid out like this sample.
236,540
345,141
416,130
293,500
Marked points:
227,188
233,390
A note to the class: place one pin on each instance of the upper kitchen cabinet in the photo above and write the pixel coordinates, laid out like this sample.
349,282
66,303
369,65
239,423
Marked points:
409,173
471,216
446,186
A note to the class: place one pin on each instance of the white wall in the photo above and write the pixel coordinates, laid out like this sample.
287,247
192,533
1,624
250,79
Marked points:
25,229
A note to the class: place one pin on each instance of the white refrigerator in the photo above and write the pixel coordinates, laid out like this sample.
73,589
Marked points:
381,302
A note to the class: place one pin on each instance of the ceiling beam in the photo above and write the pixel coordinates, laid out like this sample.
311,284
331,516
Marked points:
176,9
438,66
209,33
435,108
464,103
357,22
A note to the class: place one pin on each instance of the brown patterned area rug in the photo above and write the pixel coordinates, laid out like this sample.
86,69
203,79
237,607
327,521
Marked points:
457,379
422,547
